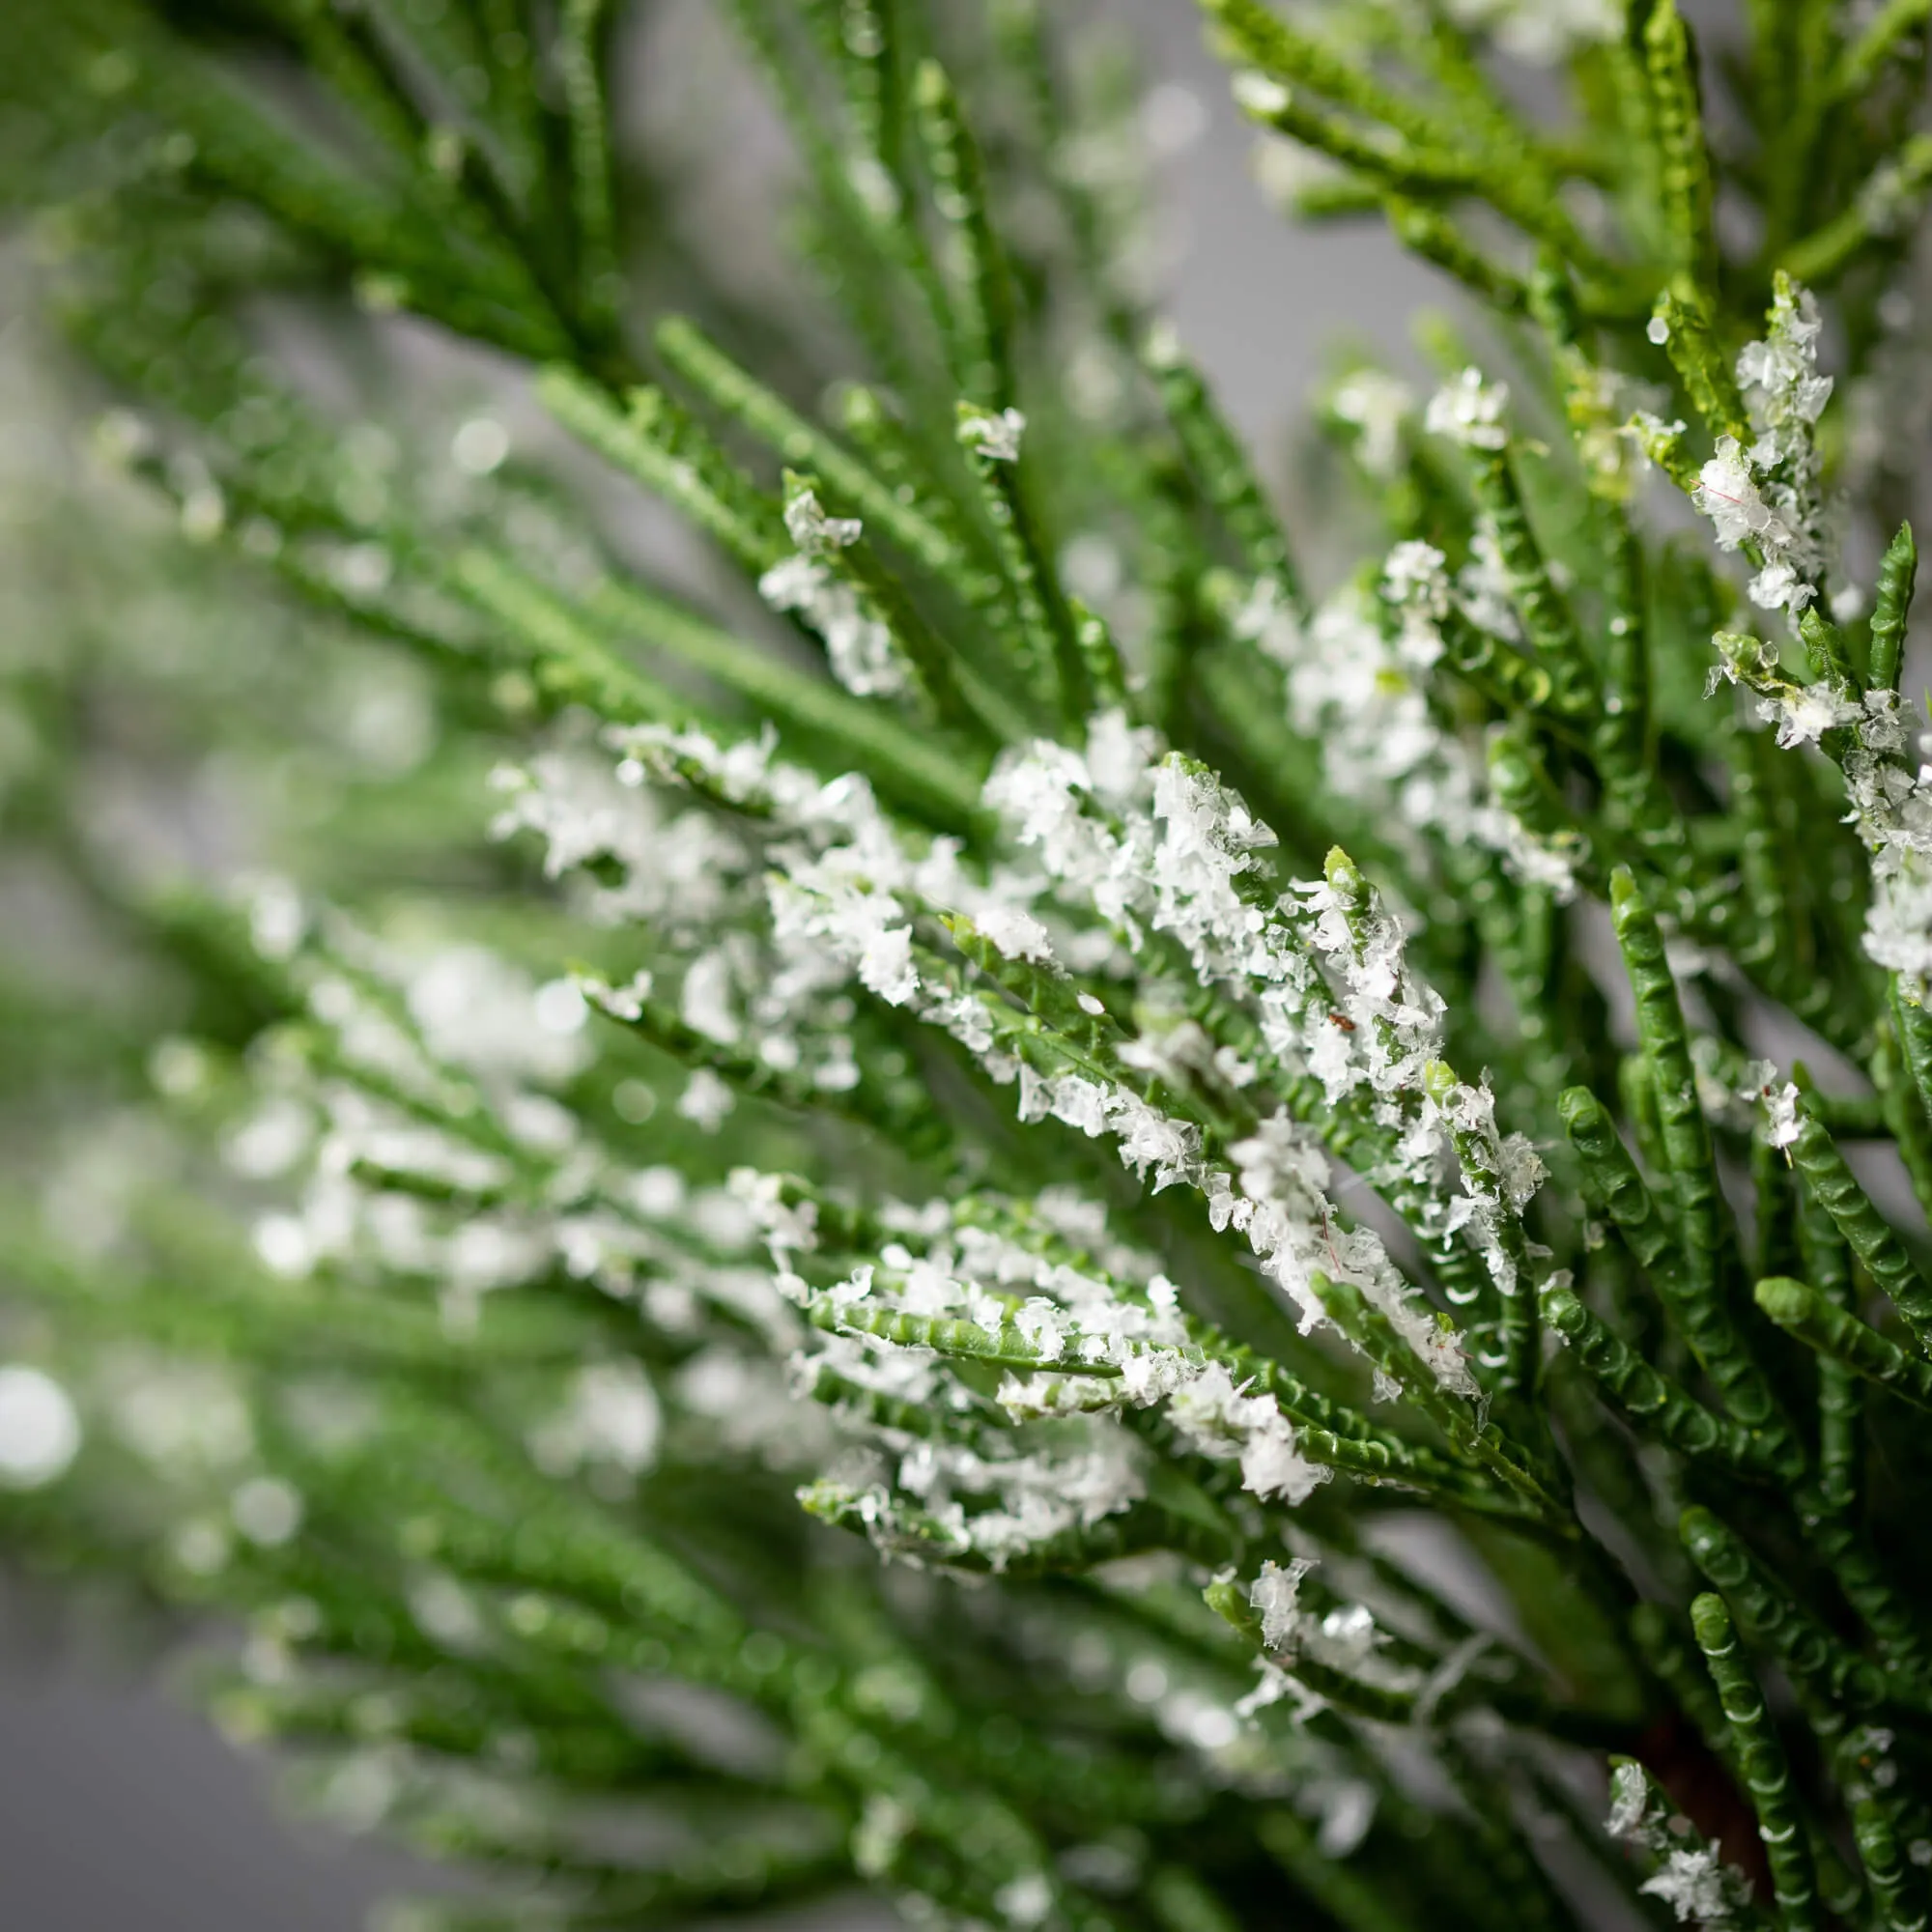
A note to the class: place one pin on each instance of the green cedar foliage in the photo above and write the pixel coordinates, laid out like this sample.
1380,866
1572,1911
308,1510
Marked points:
1014,1013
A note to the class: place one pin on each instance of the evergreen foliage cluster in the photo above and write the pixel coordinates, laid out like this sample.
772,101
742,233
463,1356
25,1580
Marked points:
1309,1150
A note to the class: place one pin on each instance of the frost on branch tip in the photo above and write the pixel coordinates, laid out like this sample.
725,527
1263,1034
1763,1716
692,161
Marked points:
993,435
1888,787
1469,411
813,530
1364,698
1081,1344
1142,844
858,645
1783,1121
1802,713
1178,863
1767,496
1376,407
1274,1597
1690,1876
1780,380
1345,1639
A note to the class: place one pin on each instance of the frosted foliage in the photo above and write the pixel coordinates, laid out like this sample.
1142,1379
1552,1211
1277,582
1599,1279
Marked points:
1361,695
1779,377
1888,774
1469,411
464,1167
1179,864
966,1259
678,867
1376,405
1275,1598
1112,1342
858,645
1113,843
1499,1176
1889,782
1767,496
994,436
1689,1874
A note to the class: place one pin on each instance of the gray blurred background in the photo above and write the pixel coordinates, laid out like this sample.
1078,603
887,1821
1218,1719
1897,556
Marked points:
120,1810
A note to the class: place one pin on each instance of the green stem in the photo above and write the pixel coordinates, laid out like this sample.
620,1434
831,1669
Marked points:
1760,1757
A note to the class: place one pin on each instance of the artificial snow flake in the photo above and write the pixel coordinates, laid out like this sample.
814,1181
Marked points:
863,656
1271,1466
1412,576
1692,1877
1016,933
625,1002
788,1228
994,436
1801,712
1376,405
1784,388
813,532
1219,1420
1274,1598
1728,492
1693,1884
1469,411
